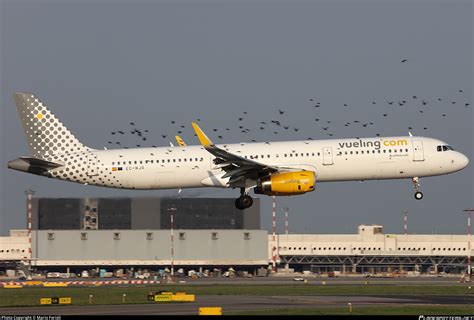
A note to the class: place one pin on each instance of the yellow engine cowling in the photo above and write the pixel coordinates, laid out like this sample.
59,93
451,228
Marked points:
287,183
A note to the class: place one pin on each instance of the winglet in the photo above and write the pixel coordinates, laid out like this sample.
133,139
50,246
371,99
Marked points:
180,141
203,138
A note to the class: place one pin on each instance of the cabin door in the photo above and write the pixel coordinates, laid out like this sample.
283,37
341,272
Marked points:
327,156
418,154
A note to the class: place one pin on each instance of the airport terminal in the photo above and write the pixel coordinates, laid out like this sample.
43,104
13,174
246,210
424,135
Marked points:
73,235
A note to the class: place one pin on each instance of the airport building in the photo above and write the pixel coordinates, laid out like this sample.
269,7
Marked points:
141,213
371,250
211,233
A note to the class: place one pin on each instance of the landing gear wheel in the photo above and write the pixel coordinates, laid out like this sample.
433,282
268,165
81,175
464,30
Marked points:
238,204
416,186
247,201
243,202
418,195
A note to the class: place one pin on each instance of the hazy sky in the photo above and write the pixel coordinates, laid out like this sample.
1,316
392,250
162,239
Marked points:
99,65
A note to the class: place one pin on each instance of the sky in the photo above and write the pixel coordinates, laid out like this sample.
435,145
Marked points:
100,65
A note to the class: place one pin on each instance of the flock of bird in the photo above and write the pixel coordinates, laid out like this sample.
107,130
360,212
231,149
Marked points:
248,128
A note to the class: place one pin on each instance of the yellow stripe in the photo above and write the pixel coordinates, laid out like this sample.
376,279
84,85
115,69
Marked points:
205,141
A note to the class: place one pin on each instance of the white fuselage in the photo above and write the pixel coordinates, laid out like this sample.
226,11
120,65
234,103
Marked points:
193,167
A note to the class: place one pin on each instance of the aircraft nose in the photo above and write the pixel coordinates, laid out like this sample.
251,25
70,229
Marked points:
462,161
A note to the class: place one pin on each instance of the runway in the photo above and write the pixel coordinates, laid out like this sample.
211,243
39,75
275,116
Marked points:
274,280
279,280
241,303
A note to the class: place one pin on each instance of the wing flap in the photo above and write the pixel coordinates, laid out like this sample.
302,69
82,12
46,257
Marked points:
237,168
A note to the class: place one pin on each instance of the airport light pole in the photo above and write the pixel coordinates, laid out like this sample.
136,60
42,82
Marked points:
468,212
405,222
29,206
172,210
286,209
274,233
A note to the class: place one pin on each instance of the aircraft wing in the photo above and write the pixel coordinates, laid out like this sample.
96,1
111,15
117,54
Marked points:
237,168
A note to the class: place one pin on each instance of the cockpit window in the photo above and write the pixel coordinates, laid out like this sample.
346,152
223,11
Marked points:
444,148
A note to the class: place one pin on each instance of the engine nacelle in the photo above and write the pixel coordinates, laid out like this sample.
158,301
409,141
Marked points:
287,183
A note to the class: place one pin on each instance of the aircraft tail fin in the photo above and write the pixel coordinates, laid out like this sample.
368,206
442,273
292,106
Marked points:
45,134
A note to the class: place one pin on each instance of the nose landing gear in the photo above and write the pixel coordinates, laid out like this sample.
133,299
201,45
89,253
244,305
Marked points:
244,201
416,186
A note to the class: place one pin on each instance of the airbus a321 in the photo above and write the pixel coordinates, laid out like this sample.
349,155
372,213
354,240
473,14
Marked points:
270,168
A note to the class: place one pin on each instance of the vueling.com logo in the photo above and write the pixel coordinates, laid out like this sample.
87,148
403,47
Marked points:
393,143
375,144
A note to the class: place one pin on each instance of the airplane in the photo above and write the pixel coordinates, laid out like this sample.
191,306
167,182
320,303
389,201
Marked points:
282,168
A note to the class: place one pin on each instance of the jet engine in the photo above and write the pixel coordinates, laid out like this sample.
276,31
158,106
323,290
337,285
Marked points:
286,183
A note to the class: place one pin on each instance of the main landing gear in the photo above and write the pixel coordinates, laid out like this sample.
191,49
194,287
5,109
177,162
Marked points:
244,201
416,186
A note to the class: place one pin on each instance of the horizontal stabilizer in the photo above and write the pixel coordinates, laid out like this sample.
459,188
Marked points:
32,165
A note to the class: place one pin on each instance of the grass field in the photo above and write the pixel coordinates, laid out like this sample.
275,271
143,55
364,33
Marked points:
134,294
383,310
